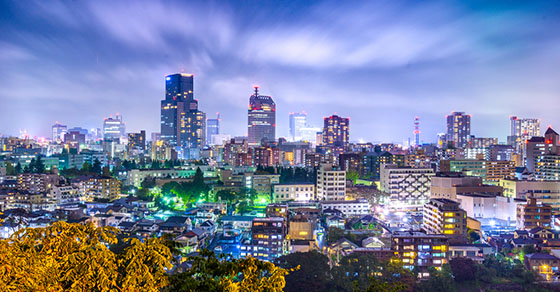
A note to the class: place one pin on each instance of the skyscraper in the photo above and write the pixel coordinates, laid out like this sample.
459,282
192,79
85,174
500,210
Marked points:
521,131
261,118
336,131
212,128
113,128
58,131
182,124
298,121
416,132
458,129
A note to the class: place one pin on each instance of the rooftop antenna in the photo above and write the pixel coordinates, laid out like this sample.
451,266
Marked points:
256,90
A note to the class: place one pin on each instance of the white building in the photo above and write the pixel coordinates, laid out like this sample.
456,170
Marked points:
66,194
331,183
294,192
348,208
489,209
407,187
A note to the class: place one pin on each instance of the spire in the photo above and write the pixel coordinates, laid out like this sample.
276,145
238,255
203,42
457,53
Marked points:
256,90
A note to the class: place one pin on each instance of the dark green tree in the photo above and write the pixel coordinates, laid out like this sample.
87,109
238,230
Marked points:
441,281
10,169
463,269
39,166
313,273
86,167
96,168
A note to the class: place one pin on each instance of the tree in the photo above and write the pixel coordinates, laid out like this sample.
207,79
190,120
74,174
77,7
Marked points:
18,168
353,176
242,208
334,234
211,273
463,269
529,249
86,167
313,273
440,281
38,167
473,236
96,168
354,271
155,164
10,169
148,182
76,257
226,195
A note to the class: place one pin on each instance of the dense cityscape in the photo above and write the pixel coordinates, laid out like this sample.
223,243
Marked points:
195,207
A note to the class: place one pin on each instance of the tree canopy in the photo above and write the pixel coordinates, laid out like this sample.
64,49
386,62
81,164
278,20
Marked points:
74,257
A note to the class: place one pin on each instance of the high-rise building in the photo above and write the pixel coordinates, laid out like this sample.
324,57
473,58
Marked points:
137,140
182,124
113,128
416,132
212,128
458,129
336,131
522,130
261,118
58,131
537,148
297,122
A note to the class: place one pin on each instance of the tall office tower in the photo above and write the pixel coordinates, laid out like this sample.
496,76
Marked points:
58,131
182,124
459,129
212,128
298,121
336,132
521,131
261,118
416,132
113,128
538,148
137,140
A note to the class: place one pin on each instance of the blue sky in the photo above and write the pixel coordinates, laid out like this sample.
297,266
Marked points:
379,62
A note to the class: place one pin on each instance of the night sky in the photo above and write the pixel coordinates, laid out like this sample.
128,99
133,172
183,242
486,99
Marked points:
379,62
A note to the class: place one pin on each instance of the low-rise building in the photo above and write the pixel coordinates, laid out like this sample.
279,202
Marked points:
546,265
490,209
443,216
348,208
268,239
294,192
407,187
419,250
447,185
533,214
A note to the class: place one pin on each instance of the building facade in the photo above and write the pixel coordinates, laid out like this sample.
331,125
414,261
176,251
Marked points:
443,216
294,192
407,187
261,119
331,183
459,129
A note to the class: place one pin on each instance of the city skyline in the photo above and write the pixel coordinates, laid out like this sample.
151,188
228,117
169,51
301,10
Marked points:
86,62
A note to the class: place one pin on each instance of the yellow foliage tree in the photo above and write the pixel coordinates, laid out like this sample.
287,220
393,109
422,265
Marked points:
74,257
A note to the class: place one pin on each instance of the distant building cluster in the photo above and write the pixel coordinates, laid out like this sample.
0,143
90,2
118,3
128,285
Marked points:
266,196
